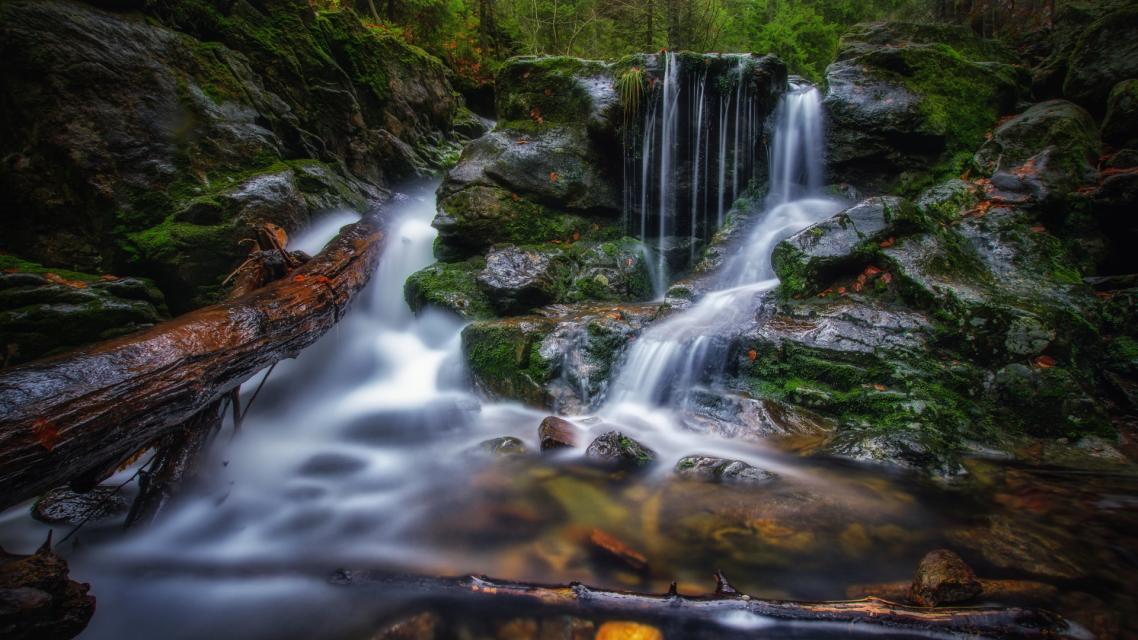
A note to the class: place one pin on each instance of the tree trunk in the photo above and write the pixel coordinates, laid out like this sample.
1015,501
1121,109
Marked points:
80,413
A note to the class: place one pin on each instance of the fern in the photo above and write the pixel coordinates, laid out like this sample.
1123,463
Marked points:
630,86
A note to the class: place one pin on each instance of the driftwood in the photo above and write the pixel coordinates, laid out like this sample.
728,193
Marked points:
579,600
83,412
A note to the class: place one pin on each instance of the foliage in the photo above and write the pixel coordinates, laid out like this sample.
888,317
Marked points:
630,86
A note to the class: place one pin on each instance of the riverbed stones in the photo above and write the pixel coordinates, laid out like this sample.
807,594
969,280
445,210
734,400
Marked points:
556,433
502,447
39,600
721,470
943,578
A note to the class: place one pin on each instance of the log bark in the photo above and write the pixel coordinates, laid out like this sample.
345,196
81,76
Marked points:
579,600
68,416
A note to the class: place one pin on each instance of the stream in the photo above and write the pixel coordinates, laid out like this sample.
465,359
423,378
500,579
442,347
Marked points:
363,453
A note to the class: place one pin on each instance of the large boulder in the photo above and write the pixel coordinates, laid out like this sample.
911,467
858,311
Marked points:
1120,126
1105,54
905,101
1046,152
519,279
561,358
151,143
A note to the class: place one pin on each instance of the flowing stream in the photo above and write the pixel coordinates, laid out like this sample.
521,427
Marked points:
363,453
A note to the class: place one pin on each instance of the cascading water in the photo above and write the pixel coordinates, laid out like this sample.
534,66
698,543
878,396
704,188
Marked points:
679,353
673,180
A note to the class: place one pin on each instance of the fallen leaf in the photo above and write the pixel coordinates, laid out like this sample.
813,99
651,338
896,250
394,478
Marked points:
887,277
298,279
106,277
1039,228
872,270
885,244
1045,362
880,387
58,279
47,434
553,176
514,197
841,291
752,355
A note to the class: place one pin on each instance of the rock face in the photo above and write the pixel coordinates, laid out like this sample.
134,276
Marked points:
1105,54
43,311
518,280
904,101
150,143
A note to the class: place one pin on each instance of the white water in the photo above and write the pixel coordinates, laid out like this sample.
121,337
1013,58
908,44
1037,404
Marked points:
688,349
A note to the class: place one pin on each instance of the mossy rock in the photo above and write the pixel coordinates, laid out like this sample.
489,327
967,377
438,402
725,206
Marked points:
1105,54
505,358
912,114
1120,126
450,286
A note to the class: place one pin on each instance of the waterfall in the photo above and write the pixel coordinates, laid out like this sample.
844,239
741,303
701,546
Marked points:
670,181
688,348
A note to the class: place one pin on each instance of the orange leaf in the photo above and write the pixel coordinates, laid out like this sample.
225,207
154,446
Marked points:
298,279
752,355
576,235
58,279
553,176
514,197
885,244
46,433
880,387
322,279
1045,362
841,291
106,277
887,278
1039,228
872,270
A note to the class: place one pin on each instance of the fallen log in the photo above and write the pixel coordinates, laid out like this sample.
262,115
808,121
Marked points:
73,414
723,607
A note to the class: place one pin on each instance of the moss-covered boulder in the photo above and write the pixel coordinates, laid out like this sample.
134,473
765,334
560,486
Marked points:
1045,153
906,102
561,359
450,286
1120,126
150,141
1105,54
46,311
518,280
807,262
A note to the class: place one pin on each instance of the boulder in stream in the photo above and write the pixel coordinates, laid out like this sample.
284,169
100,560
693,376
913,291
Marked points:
616,449
556,433
943,578
712,469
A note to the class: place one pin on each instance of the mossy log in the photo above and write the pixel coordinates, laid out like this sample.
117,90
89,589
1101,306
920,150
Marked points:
68,416
725,603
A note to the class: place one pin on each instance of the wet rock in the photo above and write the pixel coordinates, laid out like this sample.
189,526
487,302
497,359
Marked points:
732,416
1049,401
1106,53
64,506
555,433
710,469
1047,152
809,260
1120,126
503,447
616,449
332,465
38,600
903,99
561,359
943,578
517,280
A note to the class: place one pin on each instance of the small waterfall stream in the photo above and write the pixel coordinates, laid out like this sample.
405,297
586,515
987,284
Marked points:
682,351
672,180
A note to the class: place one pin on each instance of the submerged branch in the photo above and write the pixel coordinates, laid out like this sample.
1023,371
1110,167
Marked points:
580,600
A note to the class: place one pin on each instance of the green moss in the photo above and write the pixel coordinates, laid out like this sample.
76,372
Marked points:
451,286
12,264
505,359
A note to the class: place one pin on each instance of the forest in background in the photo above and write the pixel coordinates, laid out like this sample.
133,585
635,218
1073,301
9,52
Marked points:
474,35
